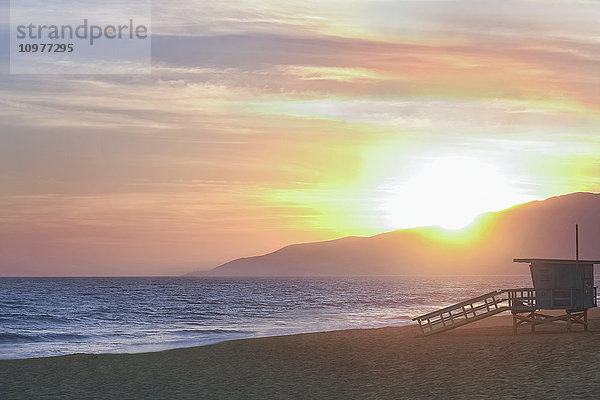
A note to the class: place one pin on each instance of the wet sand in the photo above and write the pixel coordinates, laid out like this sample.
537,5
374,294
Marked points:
480,361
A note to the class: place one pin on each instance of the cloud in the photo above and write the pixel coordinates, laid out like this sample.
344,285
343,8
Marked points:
496,67
467,20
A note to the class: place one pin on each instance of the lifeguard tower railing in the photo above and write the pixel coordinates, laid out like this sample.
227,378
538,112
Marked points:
492,303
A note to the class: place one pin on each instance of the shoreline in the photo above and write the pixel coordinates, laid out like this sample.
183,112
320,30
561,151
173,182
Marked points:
482,360
209,343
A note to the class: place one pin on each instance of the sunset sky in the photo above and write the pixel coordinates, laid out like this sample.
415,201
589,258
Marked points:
266,123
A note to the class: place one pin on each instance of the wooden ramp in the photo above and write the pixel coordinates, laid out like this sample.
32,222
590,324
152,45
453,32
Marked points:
465,312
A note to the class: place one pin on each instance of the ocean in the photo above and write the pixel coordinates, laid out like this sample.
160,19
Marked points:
42,317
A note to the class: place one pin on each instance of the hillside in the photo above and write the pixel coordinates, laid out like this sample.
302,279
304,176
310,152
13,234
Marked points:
536,229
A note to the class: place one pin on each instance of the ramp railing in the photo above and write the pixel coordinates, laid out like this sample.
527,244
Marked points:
463,313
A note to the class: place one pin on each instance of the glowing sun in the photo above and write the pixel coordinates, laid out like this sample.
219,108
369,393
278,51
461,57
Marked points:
449,191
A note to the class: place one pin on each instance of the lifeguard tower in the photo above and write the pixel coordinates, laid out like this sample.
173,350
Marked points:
557,285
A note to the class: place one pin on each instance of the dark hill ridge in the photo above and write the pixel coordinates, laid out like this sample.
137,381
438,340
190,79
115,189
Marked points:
537,229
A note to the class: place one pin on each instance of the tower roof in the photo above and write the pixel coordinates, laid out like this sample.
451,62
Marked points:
554,261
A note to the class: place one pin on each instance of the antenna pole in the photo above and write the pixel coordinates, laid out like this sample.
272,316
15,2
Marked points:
577,244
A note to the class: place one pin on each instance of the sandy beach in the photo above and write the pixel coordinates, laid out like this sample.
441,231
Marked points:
480,361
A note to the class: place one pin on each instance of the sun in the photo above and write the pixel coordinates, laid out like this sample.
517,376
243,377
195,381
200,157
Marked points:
448,191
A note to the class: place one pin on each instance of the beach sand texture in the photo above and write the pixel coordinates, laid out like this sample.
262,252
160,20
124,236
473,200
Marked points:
480,361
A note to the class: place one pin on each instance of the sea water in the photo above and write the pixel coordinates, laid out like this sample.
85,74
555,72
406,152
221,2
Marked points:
55,316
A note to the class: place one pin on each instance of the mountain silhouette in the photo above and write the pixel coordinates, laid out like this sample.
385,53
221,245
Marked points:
544,229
